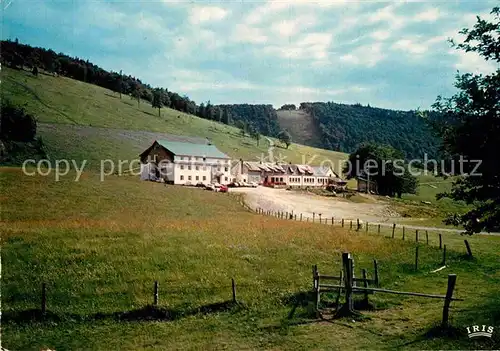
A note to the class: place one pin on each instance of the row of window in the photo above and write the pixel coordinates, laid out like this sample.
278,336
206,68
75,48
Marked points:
204,178
200,158
203,168
297,180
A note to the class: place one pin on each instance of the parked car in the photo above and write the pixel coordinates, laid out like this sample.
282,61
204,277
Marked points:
210,187
200,185
223,189
253,184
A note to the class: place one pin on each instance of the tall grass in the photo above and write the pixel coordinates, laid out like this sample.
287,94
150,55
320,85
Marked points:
99,246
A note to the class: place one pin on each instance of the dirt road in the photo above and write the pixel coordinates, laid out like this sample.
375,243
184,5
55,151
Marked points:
307,204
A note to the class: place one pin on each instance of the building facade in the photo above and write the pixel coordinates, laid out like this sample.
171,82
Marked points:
292,175
186,163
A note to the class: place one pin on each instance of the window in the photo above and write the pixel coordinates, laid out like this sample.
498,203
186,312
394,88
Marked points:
189,177
197,168
225,169
225,178
189,168
182,177
182,158
197,178
204,159
218,169
204,178
182,166
281,179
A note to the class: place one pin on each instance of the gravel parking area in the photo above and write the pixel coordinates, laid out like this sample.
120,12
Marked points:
298,202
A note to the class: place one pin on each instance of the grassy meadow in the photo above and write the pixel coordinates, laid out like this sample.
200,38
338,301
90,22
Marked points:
83,121
99,246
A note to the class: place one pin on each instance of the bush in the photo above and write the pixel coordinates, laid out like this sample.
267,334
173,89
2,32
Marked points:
16,124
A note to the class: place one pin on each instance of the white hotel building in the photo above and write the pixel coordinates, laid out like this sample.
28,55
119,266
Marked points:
185,163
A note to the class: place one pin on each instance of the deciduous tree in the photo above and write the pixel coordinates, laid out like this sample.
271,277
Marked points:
470,130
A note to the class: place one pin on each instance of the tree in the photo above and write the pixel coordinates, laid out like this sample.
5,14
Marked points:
137,95
157,100
17,125
226,119
34,71
469,130
385,166
288,107
285,138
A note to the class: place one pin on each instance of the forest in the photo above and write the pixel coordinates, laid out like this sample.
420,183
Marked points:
345,127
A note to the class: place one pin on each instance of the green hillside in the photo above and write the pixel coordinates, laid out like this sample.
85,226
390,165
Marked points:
83,121
300,125
346,127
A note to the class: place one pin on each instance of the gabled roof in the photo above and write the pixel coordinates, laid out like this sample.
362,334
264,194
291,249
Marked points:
191,149
322,171
264,166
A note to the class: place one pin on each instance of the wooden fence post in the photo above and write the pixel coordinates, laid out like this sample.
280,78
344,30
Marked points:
427,237
367,224
416,236
351,225
301,217
332,221
452,279
347,263
314,216
375,269
155,298
416,258
44,298
440,241
357,225
307,219
341,281
365,285
315,274
467,246
378,230
319,214
233,286
316,289
393,229
342,222
295,217
444,255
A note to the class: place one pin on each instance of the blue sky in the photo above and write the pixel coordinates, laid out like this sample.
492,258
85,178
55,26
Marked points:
387,54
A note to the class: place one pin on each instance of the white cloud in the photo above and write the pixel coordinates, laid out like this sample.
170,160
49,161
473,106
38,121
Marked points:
201,14
470,62
312,46
429,15
381,35
410,46
366,55
387,15
248,34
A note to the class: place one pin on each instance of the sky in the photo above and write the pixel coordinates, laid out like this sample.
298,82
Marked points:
386,54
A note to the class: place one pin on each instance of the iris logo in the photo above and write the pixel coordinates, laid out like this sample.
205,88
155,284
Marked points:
476,330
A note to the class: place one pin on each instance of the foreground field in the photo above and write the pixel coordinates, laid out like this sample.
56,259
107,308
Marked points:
100,245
